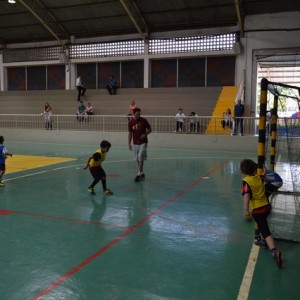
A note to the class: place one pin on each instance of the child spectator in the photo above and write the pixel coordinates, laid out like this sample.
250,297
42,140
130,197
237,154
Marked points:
180,116
48,116
89,109
81,111
132,106
227,119
193,118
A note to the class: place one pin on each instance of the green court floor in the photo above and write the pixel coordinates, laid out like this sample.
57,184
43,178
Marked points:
178,235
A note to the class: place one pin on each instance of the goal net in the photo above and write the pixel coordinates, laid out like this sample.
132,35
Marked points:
285,218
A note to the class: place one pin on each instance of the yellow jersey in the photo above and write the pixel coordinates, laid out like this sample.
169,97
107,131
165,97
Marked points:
258,198
98,163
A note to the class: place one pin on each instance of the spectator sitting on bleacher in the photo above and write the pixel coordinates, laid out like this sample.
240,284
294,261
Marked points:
89,109
81,112
227,119
180,116
194,124
112,85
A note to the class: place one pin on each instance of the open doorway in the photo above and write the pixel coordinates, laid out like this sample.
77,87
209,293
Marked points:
285,69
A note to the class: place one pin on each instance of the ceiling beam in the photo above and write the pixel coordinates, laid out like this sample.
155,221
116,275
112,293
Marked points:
239,17
136,18
43,22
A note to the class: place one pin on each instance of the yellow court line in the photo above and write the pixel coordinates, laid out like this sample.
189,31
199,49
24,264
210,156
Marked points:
19,163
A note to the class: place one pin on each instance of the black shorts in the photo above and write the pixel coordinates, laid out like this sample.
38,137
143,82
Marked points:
97,173
2,167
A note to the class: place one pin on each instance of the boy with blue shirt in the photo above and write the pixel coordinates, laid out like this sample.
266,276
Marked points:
3,155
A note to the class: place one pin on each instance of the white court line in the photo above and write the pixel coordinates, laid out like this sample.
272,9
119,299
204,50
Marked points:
106,162
248,275
41,172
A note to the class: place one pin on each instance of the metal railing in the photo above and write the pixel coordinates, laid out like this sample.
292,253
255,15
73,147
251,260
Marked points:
117,123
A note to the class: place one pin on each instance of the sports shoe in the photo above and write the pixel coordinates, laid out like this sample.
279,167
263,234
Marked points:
261,243
107,192
143,176
91,191
277,257
137,178
2,183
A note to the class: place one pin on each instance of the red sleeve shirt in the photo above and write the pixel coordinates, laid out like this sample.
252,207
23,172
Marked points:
246,189
138,128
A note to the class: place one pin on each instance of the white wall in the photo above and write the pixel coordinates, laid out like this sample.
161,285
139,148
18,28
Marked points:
269,34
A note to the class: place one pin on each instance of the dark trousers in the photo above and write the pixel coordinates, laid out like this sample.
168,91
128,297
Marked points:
98,174
48,125
111,89
179,125
262,224
238,122
81,91
228,123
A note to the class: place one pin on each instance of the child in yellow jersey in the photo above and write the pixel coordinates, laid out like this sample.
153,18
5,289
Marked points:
253,191
94,164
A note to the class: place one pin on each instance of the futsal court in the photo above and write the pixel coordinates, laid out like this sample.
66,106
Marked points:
178,235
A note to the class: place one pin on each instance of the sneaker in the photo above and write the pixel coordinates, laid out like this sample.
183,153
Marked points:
277,257
91,191
256,239
107,192
261,243
2,183
143,176
137,178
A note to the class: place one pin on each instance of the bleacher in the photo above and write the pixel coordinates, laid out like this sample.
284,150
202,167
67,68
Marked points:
152,101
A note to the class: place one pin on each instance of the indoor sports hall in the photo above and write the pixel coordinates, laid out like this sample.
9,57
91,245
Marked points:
218,81
179,234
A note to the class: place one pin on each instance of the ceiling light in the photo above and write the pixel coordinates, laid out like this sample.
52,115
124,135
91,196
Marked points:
12,1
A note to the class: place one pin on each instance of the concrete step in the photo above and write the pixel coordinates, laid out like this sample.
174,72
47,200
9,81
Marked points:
152,101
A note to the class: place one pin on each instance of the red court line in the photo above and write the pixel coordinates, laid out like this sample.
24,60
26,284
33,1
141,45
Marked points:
5,212
122,236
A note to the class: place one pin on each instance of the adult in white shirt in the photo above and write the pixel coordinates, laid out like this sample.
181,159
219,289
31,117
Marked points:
180,116
80,88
